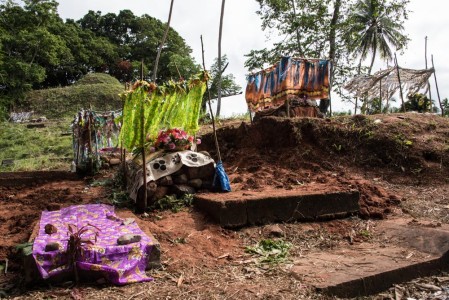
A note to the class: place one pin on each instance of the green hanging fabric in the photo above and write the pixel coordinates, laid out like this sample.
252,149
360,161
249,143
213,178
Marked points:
169,106
195,96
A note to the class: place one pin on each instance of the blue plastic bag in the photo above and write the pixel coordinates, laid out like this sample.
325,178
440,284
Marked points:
221,180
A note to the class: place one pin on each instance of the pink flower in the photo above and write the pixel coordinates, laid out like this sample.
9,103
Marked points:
198,141
152,149
171,146
166,139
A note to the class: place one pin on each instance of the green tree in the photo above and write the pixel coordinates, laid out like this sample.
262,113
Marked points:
376,26
136,39
306,28
318,29
228,85
28,46
418,102
39,50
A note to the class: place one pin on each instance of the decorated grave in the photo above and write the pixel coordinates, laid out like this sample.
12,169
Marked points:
289,88
93,241
158,129
95,140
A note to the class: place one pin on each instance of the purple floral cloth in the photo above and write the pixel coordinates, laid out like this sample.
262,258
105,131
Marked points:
120,264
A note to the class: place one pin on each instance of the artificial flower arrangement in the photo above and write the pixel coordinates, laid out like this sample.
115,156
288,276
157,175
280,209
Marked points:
173,140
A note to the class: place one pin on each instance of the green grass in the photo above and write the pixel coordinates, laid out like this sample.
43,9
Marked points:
67,101
270,251
36,148
97,78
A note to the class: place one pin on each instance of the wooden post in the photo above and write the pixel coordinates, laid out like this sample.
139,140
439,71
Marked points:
90,161
210,106
330,87
159,50
141,204
436,85
220,31
400,84
80,131
123,152
388,100
428,82
380,95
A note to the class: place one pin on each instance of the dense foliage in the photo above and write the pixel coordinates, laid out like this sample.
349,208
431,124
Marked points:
39,50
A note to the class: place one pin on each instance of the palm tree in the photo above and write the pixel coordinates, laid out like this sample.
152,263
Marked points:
375,27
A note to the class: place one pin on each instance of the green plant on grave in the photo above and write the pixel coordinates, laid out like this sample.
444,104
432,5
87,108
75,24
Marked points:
270,251
26,248
173,203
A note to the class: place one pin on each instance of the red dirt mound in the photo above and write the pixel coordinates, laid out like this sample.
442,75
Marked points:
290,153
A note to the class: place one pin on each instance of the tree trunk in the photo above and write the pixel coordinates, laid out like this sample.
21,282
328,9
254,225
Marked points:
156,63
332,47
332,33
219,60
372,60
298,36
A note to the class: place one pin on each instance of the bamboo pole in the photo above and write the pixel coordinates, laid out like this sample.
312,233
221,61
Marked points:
123,150
89,149
159,50
428,82
436,85
400,84
210,106
220,33
380,95
141,204
330,87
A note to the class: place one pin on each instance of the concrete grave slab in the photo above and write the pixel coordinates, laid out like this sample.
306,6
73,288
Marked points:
242,208
406,251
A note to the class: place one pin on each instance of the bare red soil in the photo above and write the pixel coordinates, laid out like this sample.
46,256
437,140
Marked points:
399,165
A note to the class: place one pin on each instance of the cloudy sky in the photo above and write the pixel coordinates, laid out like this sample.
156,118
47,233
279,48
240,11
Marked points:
242,33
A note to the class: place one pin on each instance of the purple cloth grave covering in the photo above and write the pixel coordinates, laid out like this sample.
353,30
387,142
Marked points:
120,264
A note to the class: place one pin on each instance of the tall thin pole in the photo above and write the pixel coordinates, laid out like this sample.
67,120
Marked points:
210,106
380,95
399,80
142,203
428,82
159,50
219,58
330,86
436,85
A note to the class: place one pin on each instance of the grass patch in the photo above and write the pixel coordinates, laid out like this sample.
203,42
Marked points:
35,149
270,251
171,202
67,101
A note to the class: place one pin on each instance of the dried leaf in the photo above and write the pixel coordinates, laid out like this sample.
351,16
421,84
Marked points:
180,280
429,287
